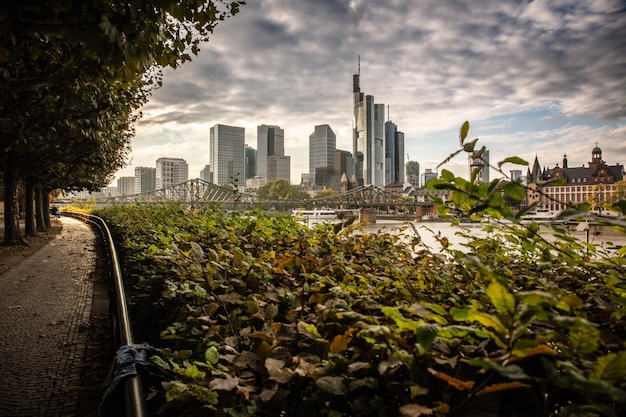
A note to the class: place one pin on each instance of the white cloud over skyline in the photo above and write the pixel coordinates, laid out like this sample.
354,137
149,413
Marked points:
534,78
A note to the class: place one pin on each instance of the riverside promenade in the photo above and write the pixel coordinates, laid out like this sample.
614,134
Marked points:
45,307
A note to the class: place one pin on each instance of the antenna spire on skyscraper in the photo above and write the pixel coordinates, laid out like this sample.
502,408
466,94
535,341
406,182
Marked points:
359,65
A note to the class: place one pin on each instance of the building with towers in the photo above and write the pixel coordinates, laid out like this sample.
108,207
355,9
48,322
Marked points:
226,154
593,183
368,136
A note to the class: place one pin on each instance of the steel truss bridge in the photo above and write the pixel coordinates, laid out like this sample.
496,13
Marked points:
197,192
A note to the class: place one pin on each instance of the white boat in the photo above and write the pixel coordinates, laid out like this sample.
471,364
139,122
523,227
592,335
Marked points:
541,214
306,215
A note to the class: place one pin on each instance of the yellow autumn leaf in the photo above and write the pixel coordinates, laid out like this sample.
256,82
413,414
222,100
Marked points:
455,382
502,387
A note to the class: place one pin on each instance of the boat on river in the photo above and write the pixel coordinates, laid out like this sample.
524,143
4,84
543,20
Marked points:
541,214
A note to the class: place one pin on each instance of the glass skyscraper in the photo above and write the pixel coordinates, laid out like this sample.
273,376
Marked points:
368,137
226,154
270,141
322,146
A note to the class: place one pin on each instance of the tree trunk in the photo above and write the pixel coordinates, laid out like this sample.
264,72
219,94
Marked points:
12,234
39,213
45,202
29,209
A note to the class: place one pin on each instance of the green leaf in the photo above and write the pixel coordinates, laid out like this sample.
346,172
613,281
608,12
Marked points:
426,334
611,367
471,315
211,355
500,297
401,322
509,371
515,191
513,160
447,175
463,132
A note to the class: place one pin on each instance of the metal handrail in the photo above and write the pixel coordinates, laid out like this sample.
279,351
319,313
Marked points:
135,405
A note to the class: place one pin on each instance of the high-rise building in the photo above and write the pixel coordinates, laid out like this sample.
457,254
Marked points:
343,163
478,160
322,146
278,168
413,173
205,174
429,174
126,186
368,137
171,171
227,159
251,157
270,141
145,179
394,154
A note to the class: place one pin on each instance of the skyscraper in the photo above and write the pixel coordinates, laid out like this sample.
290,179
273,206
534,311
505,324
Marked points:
368,137
227,159
251,157
205,174
171,171
322,146
394,154
278,167
270,141
413,173
126,186
145,179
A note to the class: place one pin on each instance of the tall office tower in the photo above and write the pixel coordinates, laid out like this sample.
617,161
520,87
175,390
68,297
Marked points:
429,174
251,157
278,167
145,179
413,173
171,171
126,186
344,163
270,141
479,162
394,154
322,146
368,136
205,173
399,156
227,159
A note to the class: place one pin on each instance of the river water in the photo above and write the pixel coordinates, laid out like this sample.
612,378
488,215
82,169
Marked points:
599,235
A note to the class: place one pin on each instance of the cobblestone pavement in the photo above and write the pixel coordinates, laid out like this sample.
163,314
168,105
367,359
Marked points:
45,305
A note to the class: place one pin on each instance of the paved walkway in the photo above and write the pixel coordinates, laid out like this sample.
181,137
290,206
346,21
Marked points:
45,304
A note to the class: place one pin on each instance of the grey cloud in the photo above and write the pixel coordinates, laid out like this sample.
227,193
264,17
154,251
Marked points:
294,60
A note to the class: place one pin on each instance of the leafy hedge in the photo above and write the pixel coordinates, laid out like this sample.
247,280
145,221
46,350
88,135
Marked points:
258,315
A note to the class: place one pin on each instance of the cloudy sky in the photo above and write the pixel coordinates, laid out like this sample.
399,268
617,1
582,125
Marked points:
534,78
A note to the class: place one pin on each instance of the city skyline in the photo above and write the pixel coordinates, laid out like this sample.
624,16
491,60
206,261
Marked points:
532,78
